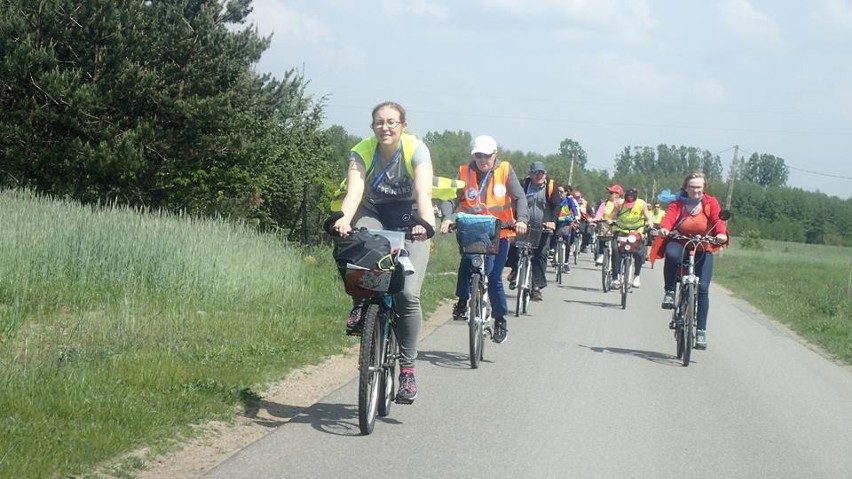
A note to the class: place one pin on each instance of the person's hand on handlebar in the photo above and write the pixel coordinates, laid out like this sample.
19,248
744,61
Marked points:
419,233
549,225
445,226
722,238
520,227
342,227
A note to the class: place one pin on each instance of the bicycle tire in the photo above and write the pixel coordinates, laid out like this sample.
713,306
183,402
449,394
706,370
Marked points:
388,386
689,323
525,302
679,331
576,248
560,260
369,367
626,265
606,278
522,283
475,321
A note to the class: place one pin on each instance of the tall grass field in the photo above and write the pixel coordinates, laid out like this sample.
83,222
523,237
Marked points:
121,328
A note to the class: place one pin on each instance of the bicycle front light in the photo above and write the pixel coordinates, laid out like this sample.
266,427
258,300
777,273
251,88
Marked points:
477,261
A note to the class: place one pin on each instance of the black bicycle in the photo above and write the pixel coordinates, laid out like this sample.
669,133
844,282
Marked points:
379,351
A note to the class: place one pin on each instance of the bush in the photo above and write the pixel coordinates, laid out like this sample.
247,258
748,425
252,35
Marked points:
751,240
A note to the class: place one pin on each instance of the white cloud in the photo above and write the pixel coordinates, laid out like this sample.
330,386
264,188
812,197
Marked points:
837,13
749,23
273,16
418,8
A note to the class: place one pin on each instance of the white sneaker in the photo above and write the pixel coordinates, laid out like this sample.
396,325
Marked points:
599,260
616,283
636,283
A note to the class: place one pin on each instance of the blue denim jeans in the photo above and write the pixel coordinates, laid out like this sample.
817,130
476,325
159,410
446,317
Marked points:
494,265
703,269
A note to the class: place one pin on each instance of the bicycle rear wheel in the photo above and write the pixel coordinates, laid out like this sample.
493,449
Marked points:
689,323
576,246
387,386
475,320
369,367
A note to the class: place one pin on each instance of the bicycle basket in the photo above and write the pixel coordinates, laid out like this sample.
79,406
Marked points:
630,242
477,234
530,239
603,231
367,264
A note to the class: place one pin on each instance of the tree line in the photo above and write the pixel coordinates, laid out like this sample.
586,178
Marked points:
157,104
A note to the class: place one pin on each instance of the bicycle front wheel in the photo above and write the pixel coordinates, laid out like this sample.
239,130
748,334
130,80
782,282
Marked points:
369,367
387,386
677,317
475,320
689,323
626,266
560,260
523,284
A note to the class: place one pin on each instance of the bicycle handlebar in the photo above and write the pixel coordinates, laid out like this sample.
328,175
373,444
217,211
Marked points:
328,225
696,238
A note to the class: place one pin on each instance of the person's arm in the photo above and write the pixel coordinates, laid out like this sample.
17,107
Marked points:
354,194
648,218
672,213
720,226
423,196
519,198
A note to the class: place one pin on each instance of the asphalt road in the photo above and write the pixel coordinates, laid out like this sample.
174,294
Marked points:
585,389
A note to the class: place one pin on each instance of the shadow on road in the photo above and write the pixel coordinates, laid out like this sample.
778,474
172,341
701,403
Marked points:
653,356
446,359
330,418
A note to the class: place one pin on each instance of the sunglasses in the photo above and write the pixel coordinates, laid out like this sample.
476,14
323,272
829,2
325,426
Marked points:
482,156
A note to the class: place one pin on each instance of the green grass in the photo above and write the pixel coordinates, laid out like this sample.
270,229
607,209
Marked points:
804,286
121,329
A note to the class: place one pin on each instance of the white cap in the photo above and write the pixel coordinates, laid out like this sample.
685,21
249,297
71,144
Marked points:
484,144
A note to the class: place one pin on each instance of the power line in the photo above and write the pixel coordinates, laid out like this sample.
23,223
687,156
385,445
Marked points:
818,173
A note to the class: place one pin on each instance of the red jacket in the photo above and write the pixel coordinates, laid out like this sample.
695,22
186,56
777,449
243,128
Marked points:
710,207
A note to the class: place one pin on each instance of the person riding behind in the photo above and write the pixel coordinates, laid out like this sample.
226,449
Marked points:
585,229
694,212
629,215
385,195
657,214
543,203
491,188
604,210
569,215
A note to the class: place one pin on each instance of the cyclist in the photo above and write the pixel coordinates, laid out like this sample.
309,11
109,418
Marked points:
569,213
385,195
543,203
604,210
585,230
693,212
629,215
491,188
657,214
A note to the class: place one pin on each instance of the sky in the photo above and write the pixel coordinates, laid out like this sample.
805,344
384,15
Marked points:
766,76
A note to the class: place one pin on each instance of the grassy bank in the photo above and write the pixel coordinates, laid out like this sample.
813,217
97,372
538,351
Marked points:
120,329
804,286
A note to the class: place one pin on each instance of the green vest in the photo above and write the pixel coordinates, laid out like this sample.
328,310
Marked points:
630,219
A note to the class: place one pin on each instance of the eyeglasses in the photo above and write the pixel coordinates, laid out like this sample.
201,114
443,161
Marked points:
539,172
482,156
389,123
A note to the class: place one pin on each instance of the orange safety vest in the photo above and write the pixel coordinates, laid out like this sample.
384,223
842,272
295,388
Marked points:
491,198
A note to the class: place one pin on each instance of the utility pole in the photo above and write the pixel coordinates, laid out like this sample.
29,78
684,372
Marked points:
571,171
732,174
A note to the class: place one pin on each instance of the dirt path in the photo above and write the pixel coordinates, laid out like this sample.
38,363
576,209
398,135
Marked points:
282,402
